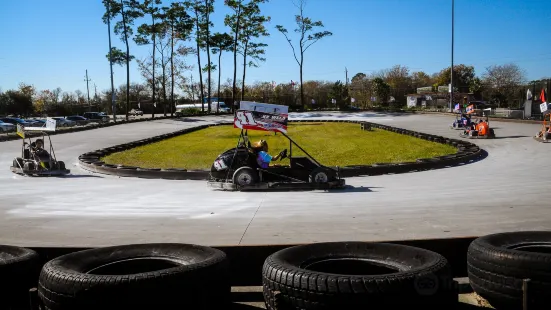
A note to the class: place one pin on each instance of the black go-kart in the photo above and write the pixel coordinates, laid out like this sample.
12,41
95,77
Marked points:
36,161
237,169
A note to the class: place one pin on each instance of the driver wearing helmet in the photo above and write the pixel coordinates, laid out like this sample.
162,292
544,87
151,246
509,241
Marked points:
263,158
39,150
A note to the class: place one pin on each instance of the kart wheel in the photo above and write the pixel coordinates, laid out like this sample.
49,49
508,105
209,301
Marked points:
29,167
244,176
319,175
61,165
18,163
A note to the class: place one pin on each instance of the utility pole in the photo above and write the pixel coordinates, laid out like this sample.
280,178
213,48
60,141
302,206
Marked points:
95,93
451,73
113,106
88,89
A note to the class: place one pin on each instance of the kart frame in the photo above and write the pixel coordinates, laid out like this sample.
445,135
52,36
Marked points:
35,159
292,184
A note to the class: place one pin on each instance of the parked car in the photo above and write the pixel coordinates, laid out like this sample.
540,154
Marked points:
79,120
62,122
6,127
34,123
15,121
135,112
97,117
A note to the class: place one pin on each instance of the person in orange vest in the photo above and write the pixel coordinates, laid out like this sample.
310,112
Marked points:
482,128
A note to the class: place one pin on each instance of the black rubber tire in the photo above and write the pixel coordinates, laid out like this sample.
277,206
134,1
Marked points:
61,165
29,166
248,172
141,276
19,268
18,163
321,175
496,268
288,284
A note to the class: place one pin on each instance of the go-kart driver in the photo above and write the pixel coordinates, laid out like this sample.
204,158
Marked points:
40,152
263,158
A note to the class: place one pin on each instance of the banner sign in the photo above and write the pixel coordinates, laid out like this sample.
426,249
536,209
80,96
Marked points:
255,120
264,107
427,89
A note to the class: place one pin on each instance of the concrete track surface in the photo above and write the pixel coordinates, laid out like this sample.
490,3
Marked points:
509,190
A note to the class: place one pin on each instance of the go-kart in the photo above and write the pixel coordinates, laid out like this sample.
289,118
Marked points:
237,169
461,122
480,130
544,135
36,160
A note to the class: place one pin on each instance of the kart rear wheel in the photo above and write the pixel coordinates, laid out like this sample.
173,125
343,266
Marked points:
29,167
61,165
320,175
244,176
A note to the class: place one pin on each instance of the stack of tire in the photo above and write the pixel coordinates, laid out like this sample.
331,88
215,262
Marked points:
19,268
357,275
499,264
138,276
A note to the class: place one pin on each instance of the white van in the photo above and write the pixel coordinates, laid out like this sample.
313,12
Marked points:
213,105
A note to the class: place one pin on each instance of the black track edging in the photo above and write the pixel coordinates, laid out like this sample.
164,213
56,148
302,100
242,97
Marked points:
467,152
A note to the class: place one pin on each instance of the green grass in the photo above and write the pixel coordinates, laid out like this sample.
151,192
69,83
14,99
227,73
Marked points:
331,144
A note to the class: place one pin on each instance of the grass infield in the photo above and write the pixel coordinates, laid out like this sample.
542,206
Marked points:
331,144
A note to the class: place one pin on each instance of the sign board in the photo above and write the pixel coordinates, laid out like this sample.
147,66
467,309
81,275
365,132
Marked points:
262,121
543,107
443,89
20,131
427,89
50,126
264,107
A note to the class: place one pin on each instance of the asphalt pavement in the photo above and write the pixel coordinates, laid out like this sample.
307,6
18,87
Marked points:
509,190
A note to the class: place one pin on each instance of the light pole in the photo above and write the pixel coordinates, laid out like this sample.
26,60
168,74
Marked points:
451,73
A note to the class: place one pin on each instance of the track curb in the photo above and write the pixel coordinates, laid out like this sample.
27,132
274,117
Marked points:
467,152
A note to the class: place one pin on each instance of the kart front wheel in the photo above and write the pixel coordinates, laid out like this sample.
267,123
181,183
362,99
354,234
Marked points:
244,176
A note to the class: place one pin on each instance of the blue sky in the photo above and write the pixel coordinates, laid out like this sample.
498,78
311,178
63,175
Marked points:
51,43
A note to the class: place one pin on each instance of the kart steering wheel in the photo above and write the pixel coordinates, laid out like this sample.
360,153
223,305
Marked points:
283,154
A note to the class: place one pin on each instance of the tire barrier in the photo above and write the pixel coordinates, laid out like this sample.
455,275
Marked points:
18,267
467,152
506,269
141,276
502,266
357,275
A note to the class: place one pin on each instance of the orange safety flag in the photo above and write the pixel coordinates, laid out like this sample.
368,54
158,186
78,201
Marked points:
542,95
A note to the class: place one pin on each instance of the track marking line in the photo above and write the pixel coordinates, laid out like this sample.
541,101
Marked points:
255,212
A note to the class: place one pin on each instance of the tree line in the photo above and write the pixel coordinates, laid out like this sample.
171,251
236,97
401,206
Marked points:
503,85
